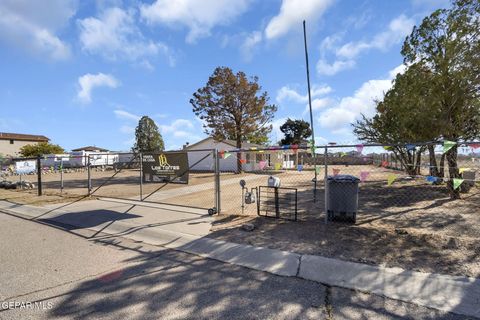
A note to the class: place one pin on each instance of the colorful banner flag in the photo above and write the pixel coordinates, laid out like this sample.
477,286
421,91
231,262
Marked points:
475,146
278,166
388,148
359,148
364,175
457,183
462,170
343,154
253,148
262,164
336,172
391,178
300,167
447,145
226,155
243,160
221,153
410,147
286,146
431,179
385,164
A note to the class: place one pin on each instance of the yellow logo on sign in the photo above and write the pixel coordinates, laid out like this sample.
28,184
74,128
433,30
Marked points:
162,159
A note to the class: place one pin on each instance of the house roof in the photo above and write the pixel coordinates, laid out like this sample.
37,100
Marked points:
23,137
232,143
90,148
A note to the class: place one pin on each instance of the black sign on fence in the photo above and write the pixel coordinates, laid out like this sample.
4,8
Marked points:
165,167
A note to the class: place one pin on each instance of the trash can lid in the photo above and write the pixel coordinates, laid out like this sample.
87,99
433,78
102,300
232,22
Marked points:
343,178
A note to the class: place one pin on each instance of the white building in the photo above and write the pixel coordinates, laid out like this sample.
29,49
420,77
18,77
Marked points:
196,163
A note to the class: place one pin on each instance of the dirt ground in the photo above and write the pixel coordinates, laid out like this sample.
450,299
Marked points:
410,224
421,251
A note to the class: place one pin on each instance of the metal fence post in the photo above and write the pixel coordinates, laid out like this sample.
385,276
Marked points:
141,177
39,176
217,181
61,175
325,181
89,177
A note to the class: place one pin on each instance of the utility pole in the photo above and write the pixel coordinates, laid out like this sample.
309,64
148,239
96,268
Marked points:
311,113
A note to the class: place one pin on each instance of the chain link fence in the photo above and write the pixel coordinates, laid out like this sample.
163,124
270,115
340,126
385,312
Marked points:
399,184
274,182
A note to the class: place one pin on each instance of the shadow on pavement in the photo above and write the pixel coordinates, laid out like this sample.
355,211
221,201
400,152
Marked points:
87,219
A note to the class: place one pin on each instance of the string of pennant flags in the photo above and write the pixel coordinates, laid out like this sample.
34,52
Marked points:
447,145
391,178
385,163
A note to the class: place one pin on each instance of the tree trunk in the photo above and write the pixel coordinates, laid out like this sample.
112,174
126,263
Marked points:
433,161
418,161
407,161
453,172
442,166
239,154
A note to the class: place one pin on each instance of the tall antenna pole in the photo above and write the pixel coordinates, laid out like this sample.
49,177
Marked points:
311,113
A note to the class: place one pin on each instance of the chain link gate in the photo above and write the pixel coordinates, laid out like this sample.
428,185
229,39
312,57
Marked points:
178,178
246,172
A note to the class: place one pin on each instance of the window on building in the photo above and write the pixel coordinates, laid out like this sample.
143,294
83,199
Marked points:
11,141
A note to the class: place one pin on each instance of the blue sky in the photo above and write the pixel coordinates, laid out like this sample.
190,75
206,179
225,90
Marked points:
83,72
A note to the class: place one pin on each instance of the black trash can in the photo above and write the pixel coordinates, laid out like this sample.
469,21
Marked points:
342,197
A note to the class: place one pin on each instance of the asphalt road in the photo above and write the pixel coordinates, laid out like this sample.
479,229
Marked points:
54,274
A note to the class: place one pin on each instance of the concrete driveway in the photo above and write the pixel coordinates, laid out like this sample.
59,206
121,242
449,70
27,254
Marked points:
119,216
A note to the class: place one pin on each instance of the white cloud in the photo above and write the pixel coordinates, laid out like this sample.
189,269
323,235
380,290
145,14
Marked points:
324,68
115,35
122,114
276,134
292,13
177,125
249,44
200,17
287,93
181,134
336,117
33,25
397,30
362,102
318,104
346,54
399,69
90,81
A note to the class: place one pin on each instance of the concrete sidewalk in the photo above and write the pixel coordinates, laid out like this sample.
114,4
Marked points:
460,295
